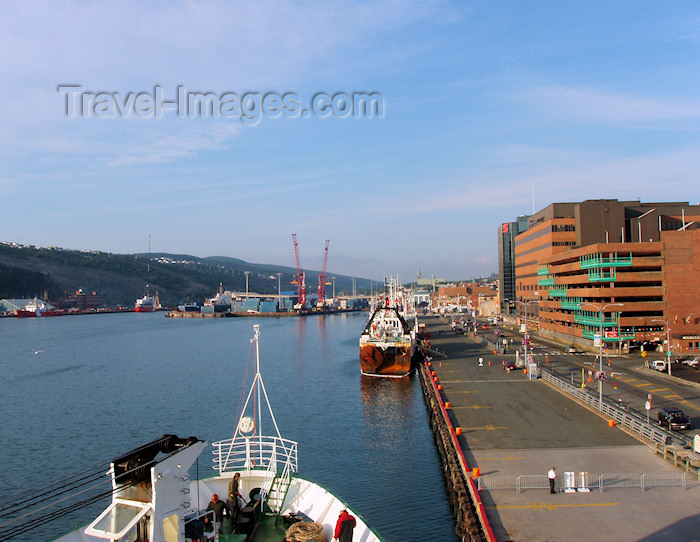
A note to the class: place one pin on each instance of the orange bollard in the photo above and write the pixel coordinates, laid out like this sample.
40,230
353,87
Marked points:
458,430
476,472
489,363
447,404
439,386
611,423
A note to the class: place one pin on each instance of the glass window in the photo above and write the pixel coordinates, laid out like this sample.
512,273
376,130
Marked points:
117,519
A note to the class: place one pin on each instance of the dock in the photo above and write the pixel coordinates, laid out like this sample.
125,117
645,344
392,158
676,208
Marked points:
500,432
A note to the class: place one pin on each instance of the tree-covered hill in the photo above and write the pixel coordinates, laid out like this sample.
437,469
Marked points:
28,271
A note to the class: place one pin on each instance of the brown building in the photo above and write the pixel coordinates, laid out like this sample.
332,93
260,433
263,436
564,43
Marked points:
577,258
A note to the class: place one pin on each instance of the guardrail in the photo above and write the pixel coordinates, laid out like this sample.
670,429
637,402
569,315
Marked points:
631,420
588,482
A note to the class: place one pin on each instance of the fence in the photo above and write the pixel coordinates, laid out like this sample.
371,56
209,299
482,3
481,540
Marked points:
586,481
634,422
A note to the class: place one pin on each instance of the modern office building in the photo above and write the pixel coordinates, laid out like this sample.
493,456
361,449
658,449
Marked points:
506,261
628,268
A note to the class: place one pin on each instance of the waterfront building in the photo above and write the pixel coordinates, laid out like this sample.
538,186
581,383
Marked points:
506,261
642,259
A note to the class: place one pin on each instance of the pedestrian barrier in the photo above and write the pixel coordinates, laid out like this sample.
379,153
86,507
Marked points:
632,421
586,481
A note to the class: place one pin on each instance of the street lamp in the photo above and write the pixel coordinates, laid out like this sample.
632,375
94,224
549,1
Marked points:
279,288
601,311
668,343
526,336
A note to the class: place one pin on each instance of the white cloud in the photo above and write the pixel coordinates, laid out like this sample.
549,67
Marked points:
594,105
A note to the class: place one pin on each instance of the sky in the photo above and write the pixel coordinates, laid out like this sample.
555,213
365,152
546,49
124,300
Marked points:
488,110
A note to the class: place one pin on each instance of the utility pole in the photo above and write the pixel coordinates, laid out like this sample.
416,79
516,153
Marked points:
668,343
601,311
279,289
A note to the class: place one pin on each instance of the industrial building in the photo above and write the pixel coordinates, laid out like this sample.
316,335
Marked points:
626,267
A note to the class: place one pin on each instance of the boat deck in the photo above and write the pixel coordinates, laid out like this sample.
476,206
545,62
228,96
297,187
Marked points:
270,528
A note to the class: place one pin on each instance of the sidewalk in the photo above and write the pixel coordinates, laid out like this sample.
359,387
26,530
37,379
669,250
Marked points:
512,426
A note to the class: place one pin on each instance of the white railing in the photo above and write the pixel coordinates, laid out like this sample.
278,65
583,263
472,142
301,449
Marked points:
621,416
601,482
265,453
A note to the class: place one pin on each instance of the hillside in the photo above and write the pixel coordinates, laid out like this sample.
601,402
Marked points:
28,271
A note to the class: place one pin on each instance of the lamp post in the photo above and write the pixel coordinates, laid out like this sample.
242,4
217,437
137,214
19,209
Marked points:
526,336
668,343
279,288
601,311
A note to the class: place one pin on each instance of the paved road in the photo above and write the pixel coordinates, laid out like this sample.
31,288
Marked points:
513,426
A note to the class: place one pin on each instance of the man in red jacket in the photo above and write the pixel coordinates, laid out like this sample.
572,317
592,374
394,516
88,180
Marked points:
344,527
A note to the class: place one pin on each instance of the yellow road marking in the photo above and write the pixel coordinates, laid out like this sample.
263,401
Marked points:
672,395
660,389
549,506
647,384
630,380
487,427
509,457
475,407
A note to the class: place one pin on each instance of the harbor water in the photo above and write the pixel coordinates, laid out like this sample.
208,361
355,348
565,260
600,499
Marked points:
79,390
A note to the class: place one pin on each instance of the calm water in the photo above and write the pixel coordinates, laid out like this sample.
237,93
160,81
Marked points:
104,384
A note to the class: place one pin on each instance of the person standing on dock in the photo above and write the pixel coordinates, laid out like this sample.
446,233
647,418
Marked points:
344,527
552,474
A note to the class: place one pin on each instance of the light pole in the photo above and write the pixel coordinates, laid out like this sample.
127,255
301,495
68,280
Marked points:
246,283
279,288
601,311
526,336
668,343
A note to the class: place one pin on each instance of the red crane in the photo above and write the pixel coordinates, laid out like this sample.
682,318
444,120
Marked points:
322,278
301,284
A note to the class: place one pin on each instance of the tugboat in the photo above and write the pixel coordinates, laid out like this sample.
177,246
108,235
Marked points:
157,497
388,342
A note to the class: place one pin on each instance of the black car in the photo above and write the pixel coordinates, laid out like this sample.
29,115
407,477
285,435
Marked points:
673,418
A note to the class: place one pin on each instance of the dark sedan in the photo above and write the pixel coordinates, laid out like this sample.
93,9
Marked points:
673,418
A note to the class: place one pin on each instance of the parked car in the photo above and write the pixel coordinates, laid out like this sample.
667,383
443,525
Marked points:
673,418
484,326
509,366
572,350
659,365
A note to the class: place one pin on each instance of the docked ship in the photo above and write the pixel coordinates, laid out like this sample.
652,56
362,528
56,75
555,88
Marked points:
157,496
38,308
388,341
147,303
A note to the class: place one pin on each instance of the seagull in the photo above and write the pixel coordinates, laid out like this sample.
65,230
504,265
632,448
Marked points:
36,351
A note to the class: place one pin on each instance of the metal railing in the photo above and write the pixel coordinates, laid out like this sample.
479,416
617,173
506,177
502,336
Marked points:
587,482
255,453
633,421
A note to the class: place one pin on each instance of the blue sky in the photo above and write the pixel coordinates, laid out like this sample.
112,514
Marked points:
483,101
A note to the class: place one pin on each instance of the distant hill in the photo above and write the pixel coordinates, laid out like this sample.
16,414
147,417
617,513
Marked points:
27,271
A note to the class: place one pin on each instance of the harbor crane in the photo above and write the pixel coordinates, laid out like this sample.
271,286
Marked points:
322,279
300,282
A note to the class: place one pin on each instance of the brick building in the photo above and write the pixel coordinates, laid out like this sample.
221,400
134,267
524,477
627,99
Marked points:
637,261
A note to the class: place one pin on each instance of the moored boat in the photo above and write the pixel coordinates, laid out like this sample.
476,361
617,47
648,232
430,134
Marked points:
38,308
156,495
388,342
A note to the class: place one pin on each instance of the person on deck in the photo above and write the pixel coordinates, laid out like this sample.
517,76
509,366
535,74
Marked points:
234,494
344,527
218,507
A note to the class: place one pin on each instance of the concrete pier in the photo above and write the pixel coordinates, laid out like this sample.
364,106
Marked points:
507,425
